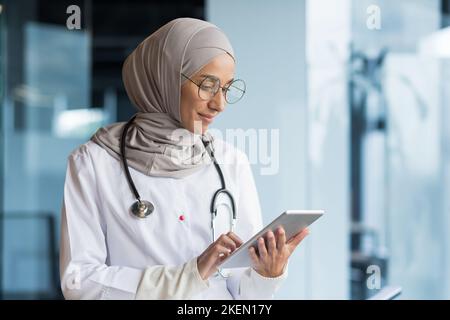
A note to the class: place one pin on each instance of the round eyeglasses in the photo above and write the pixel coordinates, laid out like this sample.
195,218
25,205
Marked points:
210,85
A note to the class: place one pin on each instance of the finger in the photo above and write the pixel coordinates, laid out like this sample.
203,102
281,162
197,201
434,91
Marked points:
271,244
295,241
222,258
297,235
253,256
222,250
262,250
227,242
217,255
235,238
281,238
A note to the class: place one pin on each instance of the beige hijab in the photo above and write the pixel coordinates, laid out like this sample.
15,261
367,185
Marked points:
156,143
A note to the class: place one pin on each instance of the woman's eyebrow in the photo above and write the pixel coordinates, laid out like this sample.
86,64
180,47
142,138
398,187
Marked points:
204,75
229,81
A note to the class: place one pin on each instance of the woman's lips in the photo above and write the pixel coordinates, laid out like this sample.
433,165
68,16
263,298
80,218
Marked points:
206,118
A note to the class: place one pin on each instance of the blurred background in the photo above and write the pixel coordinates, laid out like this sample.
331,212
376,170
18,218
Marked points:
359,91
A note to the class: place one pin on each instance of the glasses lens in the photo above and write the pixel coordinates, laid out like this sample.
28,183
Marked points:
208,88
235,91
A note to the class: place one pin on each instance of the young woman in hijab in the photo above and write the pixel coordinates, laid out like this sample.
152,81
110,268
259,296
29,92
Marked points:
106,252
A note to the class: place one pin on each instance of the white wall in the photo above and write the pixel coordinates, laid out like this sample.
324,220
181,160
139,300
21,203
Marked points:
417,219
328,36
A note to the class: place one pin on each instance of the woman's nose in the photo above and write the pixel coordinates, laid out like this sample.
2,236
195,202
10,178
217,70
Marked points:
218,102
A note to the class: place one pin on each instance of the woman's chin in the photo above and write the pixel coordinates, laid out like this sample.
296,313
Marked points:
199,127
198,130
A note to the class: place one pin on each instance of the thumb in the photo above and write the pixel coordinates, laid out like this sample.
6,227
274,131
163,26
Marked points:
295,241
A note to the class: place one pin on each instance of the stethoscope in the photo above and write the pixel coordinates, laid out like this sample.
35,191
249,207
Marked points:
143,208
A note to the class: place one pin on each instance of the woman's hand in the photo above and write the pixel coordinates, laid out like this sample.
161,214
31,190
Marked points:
271,259
209,260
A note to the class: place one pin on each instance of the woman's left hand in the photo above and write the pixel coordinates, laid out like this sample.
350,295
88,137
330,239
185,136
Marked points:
271,260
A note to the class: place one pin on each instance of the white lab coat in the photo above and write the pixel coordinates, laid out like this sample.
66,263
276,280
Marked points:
105,250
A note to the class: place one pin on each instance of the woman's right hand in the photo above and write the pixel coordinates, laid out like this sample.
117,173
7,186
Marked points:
220,249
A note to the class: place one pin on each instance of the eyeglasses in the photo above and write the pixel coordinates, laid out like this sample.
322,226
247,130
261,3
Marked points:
210,85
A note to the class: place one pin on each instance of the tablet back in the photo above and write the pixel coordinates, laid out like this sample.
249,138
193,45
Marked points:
293,221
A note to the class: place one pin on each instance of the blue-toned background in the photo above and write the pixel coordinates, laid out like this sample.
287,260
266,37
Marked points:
359,92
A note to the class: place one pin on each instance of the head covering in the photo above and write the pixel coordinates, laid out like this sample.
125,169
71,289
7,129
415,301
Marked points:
157,144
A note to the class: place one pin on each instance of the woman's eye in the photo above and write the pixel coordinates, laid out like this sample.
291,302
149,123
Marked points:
205,87
209,82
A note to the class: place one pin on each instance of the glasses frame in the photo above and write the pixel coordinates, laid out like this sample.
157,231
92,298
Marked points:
224,88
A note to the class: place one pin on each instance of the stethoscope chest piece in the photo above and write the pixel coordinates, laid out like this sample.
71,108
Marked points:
142,208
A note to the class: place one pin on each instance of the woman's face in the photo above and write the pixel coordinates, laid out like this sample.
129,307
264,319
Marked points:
197,113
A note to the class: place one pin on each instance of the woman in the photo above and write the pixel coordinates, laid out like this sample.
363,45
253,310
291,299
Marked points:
179,78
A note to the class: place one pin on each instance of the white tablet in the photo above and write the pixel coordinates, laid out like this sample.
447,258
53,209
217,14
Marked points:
293,221
387,293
